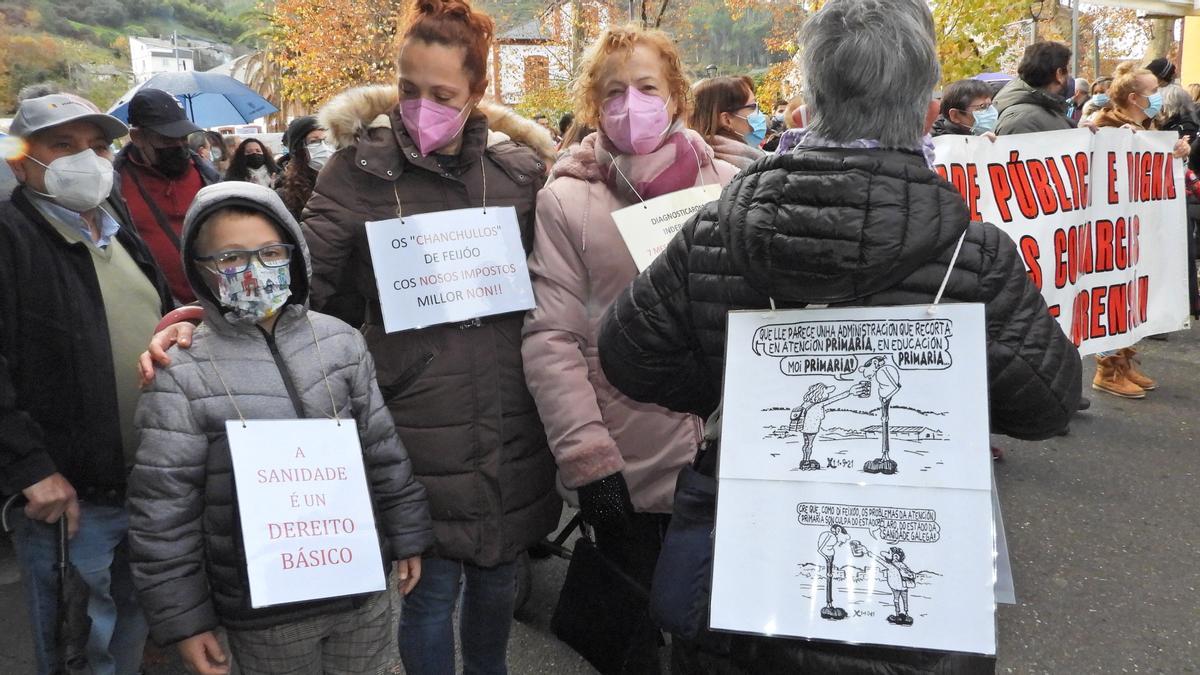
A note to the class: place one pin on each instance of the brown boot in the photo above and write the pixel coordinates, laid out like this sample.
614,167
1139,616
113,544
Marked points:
1110,377
1133,373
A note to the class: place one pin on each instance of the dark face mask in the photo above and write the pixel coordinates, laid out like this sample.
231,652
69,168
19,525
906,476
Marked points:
172,162
256,161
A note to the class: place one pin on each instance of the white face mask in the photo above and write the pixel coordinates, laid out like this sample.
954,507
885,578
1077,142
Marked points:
318,154
78,182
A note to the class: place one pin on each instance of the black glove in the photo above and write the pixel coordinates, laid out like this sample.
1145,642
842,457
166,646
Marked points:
605,503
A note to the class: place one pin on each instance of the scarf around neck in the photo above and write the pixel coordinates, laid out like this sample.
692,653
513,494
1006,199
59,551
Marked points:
796,139
674,166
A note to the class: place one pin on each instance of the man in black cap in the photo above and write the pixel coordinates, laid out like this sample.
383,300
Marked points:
79,293
160,177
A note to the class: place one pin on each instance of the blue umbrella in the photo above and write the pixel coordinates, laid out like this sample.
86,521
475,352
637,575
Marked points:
993,77
210,99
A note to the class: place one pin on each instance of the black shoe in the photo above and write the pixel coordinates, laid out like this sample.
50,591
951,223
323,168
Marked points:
1084,403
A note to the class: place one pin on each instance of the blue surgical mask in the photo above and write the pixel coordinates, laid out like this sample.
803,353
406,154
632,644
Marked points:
758,128
985,120
1100,100
1155,106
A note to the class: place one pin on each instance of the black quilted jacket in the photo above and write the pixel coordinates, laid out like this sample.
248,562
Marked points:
839,227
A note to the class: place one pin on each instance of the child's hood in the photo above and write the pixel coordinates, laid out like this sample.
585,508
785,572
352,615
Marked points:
252,196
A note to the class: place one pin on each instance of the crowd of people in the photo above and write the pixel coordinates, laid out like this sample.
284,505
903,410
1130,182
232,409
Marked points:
241,286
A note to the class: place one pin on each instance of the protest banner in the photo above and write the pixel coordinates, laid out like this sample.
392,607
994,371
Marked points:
1099,220
858,505
649,226
449,267
308,528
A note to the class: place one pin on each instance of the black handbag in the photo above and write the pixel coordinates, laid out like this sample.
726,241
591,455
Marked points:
593,607
682,587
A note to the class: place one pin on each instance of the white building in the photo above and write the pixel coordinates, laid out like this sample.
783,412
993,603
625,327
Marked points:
537,53
151,56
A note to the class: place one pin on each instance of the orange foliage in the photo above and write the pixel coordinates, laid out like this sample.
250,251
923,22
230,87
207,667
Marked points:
323,47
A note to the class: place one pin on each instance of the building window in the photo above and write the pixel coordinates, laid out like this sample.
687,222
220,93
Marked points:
537,73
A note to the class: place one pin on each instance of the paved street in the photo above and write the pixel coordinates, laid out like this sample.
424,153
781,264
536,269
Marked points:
1101,526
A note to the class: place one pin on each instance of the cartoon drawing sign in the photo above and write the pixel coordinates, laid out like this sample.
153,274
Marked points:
1099,219
858,504
449,266
882,400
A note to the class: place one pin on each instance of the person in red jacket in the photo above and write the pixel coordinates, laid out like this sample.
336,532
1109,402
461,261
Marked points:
160,176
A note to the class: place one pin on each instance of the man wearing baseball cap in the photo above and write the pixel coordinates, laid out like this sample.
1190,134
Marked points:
160,176
79,294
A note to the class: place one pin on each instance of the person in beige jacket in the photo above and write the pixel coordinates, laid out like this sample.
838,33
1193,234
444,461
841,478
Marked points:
622,456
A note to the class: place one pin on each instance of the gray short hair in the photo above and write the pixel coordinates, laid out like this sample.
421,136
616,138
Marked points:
1176,101
870,67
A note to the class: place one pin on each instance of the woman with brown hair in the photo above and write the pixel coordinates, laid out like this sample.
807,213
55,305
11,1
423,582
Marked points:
726,114
456,391
622,456
307,152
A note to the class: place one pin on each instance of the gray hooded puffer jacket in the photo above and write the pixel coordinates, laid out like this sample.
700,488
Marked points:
185,537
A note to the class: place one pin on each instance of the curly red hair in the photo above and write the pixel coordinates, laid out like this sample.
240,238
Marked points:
623,39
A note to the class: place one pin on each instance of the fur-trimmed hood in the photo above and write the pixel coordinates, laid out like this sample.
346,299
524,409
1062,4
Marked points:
353,111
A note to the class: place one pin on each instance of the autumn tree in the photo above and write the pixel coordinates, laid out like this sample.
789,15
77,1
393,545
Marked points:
323,47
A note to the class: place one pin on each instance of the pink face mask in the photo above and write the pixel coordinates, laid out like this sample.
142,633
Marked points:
431,125
635,122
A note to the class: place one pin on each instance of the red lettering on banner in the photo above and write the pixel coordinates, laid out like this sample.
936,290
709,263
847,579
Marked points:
1041,185
1018,176
1113,197
1061,272
1030,253
1083,196
1104,244
965,179
1001,191
1143,183
1110,310
1059,187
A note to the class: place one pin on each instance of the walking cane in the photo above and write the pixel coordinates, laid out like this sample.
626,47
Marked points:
73,625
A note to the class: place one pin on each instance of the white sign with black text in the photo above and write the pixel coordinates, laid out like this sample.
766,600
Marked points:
858,504
648,227
449,266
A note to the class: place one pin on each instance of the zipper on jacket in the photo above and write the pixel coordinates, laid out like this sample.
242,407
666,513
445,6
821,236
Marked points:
283,370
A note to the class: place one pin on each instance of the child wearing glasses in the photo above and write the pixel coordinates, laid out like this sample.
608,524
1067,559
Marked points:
260,354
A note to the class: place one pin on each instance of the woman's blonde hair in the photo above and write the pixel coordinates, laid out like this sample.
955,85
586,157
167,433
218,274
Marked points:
1124,83
624,39
793,103
717,95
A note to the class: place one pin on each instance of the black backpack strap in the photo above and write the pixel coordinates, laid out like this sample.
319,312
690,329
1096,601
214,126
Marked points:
159,216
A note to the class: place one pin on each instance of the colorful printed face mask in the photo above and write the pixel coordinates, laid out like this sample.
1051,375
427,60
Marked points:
258,291
635,122
431,125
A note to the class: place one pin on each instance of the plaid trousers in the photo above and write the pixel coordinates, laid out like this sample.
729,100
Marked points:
360,642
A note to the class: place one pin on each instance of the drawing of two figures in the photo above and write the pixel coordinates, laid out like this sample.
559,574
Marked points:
899,576
808,417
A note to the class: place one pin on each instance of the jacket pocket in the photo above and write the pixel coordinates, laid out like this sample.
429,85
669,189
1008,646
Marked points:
406,378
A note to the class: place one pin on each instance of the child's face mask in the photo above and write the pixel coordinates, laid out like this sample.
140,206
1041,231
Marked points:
258,292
